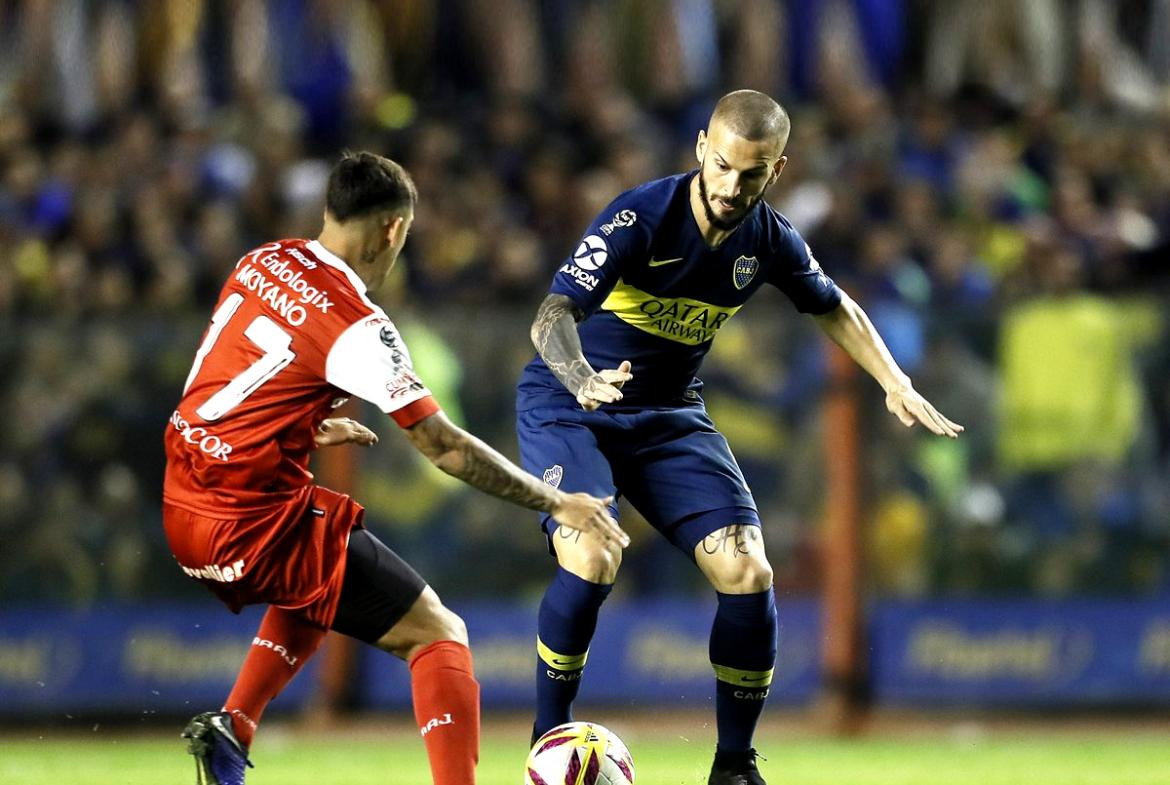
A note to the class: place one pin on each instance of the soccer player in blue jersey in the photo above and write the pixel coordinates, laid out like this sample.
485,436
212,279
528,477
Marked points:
655,278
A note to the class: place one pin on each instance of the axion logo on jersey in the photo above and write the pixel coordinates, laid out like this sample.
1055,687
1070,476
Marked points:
622,218
744,270
586,281
591,253
553,475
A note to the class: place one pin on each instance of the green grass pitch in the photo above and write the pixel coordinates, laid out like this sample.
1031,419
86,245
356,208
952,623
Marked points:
380,752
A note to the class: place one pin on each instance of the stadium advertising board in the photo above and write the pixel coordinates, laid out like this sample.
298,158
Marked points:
1022,653
176,658
125,659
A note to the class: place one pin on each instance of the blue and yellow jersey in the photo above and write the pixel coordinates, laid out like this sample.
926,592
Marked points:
655,294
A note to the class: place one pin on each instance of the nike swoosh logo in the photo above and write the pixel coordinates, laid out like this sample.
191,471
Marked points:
659,262
566,662
752,678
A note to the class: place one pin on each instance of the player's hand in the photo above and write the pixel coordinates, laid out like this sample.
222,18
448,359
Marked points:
604,387
343,430
586,513
910,407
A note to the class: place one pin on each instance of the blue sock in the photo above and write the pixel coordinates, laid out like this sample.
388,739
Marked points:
568,617
743,653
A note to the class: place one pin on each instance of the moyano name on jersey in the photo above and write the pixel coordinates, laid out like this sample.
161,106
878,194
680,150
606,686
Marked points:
271,282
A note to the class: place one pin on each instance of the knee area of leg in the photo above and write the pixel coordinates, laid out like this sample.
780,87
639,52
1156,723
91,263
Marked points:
441,623
450,626
598,564
747,576
759,576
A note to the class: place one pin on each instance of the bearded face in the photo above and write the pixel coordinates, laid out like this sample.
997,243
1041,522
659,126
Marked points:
734,174
723,212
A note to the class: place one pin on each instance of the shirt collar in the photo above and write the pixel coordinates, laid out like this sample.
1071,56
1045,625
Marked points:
336,262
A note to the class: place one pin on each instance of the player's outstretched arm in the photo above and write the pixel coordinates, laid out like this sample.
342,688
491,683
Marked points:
852,330
554,334
462,455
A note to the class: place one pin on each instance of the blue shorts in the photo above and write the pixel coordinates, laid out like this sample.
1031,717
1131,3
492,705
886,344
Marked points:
672,465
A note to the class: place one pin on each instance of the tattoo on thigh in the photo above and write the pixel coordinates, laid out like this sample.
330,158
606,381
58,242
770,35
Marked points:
732,539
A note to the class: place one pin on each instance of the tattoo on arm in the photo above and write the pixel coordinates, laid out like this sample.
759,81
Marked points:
462,455
554,333
732,539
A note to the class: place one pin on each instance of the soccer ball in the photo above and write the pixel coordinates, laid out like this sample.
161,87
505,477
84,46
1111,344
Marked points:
579,753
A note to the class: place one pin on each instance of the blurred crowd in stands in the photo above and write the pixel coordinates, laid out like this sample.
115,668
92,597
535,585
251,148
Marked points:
991,180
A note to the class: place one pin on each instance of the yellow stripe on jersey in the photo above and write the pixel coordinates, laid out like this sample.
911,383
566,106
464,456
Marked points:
678,319
743,678
562,662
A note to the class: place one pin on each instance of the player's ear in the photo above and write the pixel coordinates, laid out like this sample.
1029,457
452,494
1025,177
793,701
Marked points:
701,146
777,168
394,225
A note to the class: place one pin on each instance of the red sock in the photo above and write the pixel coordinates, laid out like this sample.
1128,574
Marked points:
446,705
283,644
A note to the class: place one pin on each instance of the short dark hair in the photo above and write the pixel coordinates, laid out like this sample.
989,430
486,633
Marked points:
363,182
753,116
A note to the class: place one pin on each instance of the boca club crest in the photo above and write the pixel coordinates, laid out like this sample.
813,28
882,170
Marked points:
553,475
744,270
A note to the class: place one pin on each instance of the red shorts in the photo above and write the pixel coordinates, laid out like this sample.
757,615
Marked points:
292,557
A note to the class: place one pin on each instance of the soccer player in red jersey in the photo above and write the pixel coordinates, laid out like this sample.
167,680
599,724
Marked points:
293,336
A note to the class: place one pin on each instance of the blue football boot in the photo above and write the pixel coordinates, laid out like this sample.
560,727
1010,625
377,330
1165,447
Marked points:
220,759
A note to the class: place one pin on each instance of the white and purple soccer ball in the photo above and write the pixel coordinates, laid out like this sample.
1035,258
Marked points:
579,753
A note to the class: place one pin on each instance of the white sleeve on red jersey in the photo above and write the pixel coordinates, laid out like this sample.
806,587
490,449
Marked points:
369,359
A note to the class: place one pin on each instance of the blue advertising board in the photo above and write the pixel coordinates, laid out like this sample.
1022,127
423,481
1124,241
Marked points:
179,658
183,658
1021,653
125,659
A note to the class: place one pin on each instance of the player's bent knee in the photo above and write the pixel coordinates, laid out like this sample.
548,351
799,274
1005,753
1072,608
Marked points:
757,577
595,562
428,621
448,626
748,575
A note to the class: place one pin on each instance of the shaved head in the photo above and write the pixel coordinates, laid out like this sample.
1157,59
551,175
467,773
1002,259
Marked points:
740,154
753,116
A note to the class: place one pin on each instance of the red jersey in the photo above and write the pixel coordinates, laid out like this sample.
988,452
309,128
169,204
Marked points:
292,337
